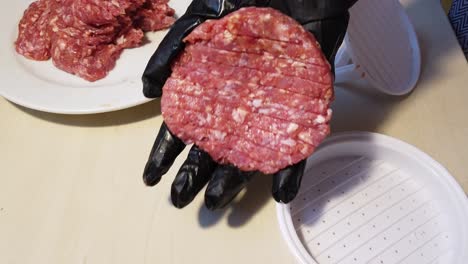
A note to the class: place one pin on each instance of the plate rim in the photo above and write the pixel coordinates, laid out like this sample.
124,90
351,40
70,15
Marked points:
74,111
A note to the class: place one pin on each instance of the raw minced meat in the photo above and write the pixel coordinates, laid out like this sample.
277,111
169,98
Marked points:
86,37
252,89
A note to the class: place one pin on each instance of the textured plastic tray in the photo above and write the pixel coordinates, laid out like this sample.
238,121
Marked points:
370,198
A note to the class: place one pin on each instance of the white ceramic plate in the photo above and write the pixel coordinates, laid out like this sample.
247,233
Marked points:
41,86
370,198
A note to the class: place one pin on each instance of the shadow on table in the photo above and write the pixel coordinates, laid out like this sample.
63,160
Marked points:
239,212
120,117
351,108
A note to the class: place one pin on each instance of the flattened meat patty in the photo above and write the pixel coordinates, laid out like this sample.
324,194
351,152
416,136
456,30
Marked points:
252,89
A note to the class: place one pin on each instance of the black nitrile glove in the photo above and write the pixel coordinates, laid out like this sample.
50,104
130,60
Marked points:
326,19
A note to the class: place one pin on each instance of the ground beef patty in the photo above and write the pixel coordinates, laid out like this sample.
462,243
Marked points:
252,89
86,37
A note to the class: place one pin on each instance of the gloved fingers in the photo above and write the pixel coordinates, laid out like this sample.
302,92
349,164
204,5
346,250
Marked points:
286,182
213,9
226,182
158,68
165,150
192,177
313,10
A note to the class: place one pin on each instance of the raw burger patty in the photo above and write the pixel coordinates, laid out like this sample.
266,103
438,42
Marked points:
252,89
86,37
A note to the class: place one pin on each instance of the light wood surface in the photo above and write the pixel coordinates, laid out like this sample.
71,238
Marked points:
71,188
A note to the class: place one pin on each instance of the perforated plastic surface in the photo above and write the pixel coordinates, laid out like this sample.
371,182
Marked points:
378,205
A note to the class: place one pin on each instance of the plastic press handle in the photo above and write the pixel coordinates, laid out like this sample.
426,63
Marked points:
346,74
345,70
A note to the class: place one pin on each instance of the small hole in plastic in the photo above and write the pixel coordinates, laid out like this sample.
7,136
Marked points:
318,243
373,226
365,194
355,259
338,211
411,219
298,219
349,223
381,261
422,254
376,205
328,200
396,251
323,221
344,246
388,217
352,202
359,235
384,238
304,199
363,214
398,229
333,233
329,256
313,210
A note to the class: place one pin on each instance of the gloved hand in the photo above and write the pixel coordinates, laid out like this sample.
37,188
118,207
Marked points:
326,19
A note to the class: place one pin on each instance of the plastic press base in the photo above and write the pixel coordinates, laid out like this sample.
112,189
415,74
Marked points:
369,198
